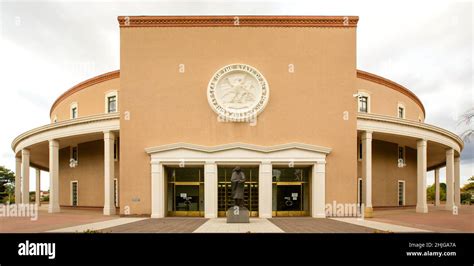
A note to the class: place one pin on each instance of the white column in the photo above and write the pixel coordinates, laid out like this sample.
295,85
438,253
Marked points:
265,190
210,189
109,205
437,203
367,171
157,190
53,176
449,179
421,205
318,188
38,188
18,180
25,174
457,180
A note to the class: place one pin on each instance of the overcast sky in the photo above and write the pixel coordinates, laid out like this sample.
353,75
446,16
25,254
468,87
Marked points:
46,47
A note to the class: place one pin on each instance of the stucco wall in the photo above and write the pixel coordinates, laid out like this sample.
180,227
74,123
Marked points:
89,173
384,100
386,173
306,106
90,100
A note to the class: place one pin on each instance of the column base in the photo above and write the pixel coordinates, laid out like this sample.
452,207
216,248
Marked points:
319,215
368,212
265,215
437,203
422,208
53,208
109,210
210,215
155,216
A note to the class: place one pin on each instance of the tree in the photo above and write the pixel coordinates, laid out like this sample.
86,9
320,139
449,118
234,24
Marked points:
469,187
467,119
7,183
430,192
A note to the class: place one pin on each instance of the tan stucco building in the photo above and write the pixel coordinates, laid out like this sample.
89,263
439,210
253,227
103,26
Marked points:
196,96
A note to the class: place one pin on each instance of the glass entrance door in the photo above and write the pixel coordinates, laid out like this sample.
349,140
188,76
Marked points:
185,189
225,200
290,191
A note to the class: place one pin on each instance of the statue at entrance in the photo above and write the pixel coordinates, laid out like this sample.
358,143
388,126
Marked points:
238,183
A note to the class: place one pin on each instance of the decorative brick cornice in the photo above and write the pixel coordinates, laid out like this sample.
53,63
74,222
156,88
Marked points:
238,21
391,84
98,79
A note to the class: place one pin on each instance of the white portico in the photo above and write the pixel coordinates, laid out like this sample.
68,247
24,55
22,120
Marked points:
263,157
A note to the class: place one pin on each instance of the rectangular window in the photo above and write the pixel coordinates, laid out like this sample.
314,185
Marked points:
401,153
401,112
74,193
401,193
363,104
74,112
116,149
74,153
116,192
360,150
112,104
359,189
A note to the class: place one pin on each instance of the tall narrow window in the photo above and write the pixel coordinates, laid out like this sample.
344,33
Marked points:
363,104
116,192
74,193
74,153
360,150
74,112
112,104
401,153
401,112
401,192
116,149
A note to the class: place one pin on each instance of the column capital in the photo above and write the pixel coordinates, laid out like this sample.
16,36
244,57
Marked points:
265,162
53,143
320,167
366,135
450,151
25,152
155,161
421,142
109,135
18,159
457,159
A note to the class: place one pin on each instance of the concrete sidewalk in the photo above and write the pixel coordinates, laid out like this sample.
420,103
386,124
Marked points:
256,225
96,226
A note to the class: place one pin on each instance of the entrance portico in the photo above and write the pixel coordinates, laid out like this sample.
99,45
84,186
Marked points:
263,157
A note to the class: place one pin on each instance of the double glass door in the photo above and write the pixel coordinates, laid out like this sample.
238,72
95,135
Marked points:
290,191
224,186
185,191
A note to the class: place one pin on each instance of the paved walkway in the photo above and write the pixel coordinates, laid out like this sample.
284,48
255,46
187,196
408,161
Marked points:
385,227
314,225
163,225
256,225
437,219
97,226
48,221
393,220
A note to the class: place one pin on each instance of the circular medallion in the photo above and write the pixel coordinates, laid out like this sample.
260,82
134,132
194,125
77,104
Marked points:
238,92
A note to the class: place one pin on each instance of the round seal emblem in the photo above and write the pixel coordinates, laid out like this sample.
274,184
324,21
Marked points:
238,92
